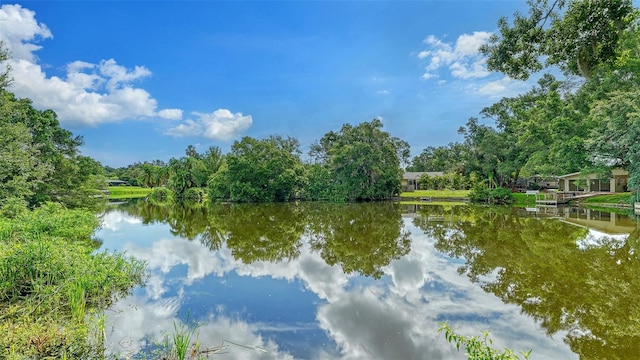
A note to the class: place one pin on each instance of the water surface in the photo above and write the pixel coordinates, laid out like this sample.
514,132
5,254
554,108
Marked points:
375,281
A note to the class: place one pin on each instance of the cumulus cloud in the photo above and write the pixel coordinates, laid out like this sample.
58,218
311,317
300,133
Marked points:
170,114
462,59
88,93
19,31
221,124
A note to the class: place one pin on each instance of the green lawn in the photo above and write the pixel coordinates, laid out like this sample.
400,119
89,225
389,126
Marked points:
128,192
431,203
459,194
522,200
617,199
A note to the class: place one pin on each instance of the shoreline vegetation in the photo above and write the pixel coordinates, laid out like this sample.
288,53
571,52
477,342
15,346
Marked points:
55,284
417,197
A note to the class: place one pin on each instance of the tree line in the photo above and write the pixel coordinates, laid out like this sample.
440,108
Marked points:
358,163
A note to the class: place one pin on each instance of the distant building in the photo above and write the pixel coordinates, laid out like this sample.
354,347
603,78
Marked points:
411,179
117,183
591,183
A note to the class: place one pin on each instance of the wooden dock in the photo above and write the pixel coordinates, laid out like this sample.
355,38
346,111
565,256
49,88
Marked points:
552,198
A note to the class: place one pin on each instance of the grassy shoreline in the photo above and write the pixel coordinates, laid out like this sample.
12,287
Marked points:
440,194
55,284
128,192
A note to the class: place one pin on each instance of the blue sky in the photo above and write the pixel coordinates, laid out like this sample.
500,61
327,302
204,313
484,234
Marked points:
142,80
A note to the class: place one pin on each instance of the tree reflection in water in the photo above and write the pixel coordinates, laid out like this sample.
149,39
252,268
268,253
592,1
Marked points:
360,238
565,277
560,274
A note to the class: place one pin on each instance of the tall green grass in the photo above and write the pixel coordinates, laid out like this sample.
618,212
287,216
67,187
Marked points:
182,338
51,279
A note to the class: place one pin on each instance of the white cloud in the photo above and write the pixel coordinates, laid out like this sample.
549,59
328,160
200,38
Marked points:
88,94
19,29
170,114
221,124
469,44
427,76
462,59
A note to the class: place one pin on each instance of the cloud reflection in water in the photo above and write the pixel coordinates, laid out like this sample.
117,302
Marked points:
344,316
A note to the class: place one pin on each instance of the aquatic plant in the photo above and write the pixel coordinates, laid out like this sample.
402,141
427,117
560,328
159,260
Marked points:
479,347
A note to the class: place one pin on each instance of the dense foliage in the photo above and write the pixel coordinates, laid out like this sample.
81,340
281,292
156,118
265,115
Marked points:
40,160
259,171
363,162
576,35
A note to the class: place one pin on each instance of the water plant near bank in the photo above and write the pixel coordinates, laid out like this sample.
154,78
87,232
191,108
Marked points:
54,284
479,347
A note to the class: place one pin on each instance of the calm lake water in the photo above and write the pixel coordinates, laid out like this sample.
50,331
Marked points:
375,281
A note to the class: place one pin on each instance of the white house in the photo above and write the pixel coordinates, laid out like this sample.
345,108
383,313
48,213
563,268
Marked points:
591,183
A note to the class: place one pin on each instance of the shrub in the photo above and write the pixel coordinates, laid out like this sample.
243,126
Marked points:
161,195
194,194
481,193
13,207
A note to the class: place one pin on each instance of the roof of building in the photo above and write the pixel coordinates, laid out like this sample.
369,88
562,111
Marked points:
117,182
619,171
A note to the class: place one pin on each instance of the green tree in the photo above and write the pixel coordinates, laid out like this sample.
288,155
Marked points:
614,142
317,183
576,35
21,168
488,153
364,161
181,176
67,177
5,69
443,158
259,170
543,131
145,176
